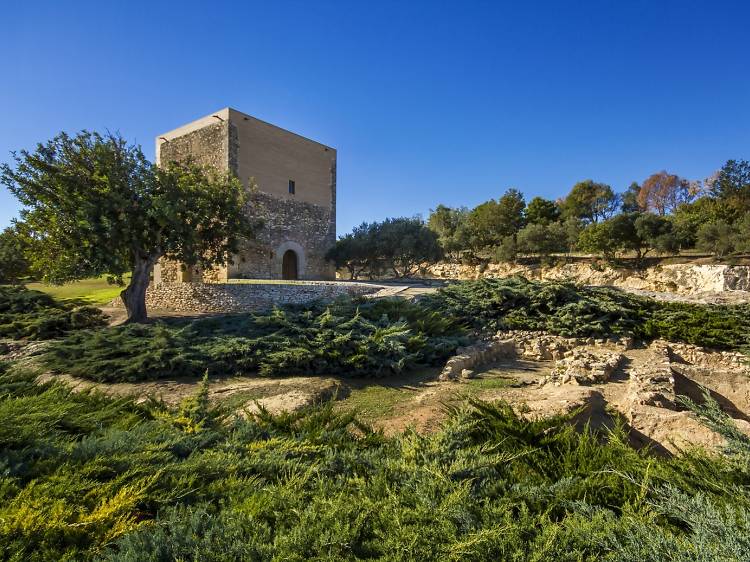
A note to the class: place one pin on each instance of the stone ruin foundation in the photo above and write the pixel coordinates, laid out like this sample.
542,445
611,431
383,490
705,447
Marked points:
606,379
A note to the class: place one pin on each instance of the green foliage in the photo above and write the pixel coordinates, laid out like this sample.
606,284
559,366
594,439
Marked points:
396,245
628,232
732,186
542,211
35,315
451,228
542,239
507,250
570,310
366,338
491,222
596,239
689,217
93,205
90,478
629,199
590,201
722,327
13,263
717,238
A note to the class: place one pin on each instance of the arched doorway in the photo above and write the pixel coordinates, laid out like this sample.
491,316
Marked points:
289,265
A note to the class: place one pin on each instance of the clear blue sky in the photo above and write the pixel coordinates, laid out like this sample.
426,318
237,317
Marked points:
426,102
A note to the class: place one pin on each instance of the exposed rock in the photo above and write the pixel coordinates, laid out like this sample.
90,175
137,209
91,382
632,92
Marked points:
660,281
652,384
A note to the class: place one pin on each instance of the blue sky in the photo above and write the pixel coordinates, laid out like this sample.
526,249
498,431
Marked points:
426,102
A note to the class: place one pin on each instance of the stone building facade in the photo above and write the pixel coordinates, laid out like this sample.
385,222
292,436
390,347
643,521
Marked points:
293,190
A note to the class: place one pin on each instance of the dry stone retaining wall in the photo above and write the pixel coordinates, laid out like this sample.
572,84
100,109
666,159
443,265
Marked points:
246,297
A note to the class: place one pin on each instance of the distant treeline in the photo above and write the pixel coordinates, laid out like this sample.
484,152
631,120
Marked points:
665,214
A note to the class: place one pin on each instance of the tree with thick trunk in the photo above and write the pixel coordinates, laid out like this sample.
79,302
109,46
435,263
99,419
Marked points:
94,205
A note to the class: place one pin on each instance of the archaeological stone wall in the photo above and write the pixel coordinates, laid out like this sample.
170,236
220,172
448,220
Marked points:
246,297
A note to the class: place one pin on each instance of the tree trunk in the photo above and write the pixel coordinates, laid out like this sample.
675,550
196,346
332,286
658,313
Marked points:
134,295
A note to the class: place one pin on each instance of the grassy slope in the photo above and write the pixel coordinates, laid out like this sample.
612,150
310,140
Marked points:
95,291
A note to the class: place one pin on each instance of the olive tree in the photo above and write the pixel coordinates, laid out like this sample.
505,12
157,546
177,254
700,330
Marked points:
94,205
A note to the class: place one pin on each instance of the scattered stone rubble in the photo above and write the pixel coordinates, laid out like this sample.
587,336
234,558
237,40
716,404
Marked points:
540,346
581,366
537,346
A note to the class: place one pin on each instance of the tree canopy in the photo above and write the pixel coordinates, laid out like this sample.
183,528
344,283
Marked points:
663,192
590,201
396,245
94,205
542,211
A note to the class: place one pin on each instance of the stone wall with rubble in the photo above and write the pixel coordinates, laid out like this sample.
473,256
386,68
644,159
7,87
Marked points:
246,297
676,278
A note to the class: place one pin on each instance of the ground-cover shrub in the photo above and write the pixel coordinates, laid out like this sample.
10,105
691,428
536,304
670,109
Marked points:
86,477
36,315
346,337
567,309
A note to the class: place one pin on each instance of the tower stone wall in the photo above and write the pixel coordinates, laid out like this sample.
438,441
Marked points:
267,159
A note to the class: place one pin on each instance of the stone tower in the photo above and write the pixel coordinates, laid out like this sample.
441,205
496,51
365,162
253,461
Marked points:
295,196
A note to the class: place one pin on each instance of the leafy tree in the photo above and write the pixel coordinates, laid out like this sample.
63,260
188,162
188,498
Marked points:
450,226
629,200
629,232
732,185
596,238
542,211
507,249
511,209
13,249
353,251
590,201
396,244
489,223
572,228
741,239
542,239
663,193
689,217
717,238
94,205
404,243
655,232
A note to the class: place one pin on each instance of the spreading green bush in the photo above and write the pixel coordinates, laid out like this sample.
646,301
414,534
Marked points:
383,337
344,338
86,477
570,310
36,315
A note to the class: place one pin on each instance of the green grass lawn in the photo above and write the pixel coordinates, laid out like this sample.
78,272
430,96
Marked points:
94,291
